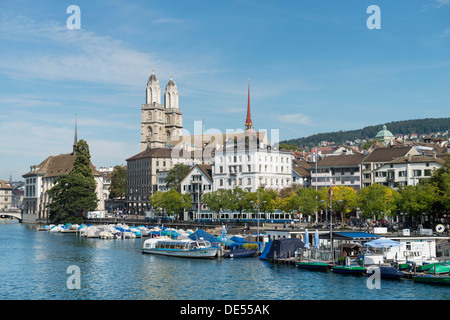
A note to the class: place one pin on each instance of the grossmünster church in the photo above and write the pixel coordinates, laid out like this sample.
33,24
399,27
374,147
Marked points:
159,122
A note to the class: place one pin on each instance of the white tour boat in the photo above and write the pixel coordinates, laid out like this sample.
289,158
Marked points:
185,248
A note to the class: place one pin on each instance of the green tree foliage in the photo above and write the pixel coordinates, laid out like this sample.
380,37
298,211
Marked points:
376,200
345,200
309,200
171,201
441,179
175,175
217,200
74,194
418,200
118,187
237,198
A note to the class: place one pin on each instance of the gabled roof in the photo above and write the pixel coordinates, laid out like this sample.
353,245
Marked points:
4,185
54,166
341,160
301,163
206,169
302,172
416,159
388,154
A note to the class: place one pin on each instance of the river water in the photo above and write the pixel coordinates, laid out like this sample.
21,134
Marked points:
34,266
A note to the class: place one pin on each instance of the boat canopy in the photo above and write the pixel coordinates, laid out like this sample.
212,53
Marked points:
203,234
281,248
382,243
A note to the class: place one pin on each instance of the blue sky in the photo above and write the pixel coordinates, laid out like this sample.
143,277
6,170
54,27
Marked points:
314,67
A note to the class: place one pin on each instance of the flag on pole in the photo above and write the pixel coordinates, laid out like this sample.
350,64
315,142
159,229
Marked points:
331,193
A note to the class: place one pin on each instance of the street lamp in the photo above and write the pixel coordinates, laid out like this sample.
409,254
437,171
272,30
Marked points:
326,211
254,206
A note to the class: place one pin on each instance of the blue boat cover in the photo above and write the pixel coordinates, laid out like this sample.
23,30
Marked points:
202,234
263,255
282,248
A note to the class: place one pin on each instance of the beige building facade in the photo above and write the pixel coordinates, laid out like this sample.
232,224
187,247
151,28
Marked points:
5,196
40,179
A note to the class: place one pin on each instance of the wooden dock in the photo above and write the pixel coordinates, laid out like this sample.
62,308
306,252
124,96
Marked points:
290,261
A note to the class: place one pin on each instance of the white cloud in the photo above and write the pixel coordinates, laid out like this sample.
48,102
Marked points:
78,55
296,118
169,21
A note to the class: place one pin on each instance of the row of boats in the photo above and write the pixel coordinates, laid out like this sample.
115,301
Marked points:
436,272
161,240
115,231
200,244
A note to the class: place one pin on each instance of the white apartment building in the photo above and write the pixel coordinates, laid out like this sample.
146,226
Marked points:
381,156
406,171
342,170
197,182
252,168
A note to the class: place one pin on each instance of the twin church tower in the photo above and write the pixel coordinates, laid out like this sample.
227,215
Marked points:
160,122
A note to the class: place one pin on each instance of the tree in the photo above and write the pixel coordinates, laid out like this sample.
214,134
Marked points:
171,201
289,203
217,200
308,200
118,187
74,194
237,200
157,200
376,200
345,200
176,174
418,200
441,179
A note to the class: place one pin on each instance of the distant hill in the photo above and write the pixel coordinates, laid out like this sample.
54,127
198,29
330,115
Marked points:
419,126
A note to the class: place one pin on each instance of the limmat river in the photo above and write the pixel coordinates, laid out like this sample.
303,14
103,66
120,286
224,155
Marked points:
36,265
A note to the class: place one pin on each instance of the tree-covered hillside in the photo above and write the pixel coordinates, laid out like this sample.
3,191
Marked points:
419,126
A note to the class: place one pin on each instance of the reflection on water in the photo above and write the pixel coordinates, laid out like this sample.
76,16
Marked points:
34,265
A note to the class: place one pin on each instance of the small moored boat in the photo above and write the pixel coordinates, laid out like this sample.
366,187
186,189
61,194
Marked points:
313,265
352,269
440,268
427,266
428,278
386,272
185,248
240,253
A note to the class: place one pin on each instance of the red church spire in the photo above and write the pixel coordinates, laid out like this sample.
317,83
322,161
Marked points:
248,120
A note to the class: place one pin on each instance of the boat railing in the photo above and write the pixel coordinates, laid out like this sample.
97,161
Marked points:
314,254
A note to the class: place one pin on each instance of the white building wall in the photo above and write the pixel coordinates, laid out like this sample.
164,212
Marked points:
252,169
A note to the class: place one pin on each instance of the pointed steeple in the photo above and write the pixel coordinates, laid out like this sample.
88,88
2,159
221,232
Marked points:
248,120
75,139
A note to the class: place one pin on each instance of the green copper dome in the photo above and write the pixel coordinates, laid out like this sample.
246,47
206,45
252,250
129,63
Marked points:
385,133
